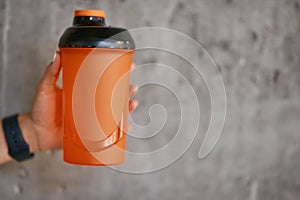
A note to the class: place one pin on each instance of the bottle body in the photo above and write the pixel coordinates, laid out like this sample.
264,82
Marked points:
95,94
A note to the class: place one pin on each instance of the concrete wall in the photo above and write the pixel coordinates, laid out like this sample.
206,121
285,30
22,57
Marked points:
256,45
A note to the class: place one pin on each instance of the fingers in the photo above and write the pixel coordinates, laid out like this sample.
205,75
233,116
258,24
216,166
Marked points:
132,90
132,102
52,72
132,105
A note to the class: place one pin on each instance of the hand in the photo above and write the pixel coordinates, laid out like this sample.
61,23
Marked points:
46,113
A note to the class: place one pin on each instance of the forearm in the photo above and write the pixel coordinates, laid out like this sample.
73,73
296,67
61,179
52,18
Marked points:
28,133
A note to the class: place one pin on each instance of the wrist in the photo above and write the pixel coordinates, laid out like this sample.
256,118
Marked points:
29,133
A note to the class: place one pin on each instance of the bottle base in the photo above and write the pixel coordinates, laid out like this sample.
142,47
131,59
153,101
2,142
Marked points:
79,155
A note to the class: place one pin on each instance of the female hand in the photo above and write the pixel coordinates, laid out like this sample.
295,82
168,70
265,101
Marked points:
46,113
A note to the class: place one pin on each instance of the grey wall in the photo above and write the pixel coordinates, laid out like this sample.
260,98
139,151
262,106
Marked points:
256,45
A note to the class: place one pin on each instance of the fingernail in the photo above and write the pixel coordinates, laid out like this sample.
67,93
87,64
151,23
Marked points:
135,89
129,127
132,66
54,56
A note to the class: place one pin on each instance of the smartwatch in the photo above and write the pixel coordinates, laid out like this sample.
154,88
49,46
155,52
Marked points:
18,149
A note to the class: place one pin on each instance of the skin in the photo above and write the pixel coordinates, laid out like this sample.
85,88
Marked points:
42,126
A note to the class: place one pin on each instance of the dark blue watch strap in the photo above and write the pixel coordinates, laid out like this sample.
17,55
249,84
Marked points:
17,146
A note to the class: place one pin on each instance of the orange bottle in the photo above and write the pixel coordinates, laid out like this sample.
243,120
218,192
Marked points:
96,61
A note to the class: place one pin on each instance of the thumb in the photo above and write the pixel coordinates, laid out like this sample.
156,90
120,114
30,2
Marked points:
52,71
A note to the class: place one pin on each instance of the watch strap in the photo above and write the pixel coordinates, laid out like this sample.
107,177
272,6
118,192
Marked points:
17,146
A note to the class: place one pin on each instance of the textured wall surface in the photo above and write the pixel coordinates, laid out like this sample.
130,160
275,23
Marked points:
256,45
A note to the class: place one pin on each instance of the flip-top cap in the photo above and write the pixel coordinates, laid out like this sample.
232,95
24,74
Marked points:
92,13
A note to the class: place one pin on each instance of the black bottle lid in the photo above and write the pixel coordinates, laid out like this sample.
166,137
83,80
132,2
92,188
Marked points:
90,31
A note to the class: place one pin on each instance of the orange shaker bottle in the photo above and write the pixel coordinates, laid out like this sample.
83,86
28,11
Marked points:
96,61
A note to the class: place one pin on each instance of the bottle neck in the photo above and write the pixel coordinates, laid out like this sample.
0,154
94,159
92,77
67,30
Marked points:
88,21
